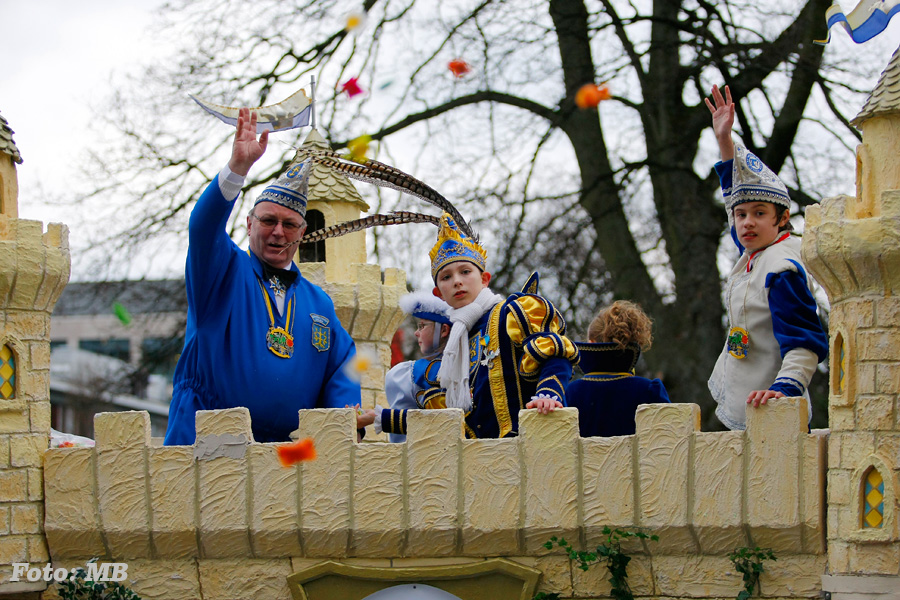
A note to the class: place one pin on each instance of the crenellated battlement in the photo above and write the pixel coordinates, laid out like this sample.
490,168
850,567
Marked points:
852,256
34,264
367,308
442,497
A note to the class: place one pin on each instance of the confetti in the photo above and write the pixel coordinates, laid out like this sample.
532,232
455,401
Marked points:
291,454
590,95
359,148
354,21
459,67
359,364
121,313
352,87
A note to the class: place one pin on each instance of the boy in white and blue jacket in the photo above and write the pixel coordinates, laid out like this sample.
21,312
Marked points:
775,339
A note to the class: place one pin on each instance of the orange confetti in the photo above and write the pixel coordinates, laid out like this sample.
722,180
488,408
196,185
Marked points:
590,95
459,67
291,454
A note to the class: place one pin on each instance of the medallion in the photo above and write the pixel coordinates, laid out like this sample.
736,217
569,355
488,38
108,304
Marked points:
738,342
280,342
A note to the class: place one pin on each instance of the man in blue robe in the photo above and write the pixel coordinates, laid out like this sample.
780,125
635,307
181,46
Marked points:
258,334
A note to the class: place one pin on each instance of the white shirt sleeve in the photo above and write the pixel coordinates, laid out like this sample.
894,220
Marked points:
230,183
399,386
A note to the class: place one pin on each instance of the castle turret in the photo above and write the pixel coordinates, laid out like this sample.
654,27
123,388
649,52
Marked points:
852,247
34,269
365,298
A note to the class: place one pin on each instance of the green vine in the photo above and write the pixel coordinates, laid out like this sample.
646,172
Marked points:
749,562
609,553
78,587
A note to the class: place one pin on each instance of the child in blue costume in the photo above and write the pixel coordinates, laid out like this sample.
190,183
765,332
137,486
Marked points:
406,382
775,339
258,334
503,354
609,393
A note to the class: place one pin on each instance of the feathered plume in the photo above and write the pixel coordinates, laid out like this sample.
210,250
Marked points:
374,172
394,218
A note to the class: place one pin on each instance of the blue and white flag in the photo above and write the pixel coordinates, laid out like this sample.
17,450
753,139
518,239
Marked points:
868,19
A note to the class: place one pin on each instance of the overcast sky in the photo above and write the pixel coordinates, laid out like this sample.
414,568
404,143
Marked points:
62,57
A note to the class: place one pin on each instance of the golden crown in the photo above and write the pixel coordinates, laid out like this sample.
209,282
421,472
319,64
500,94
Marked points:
454,246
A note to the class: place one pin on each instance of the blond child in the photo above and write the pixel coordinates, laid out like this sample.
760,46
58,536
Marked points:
608,395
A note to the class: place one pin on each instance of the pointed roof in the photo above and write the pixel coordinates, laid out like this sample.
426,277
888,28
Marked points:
327,185
7,145
885,98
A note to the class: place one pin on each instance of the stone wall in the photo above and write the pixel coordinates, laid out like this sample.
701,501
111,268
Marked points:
853,249
223,519
34,269
366,305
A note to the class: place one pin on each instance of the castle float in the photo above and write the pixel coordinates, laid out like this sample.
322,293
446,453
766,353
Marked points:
471,517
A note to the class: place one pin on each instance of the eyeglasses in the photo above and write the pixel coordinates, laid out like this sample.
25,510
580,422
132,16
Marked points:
271,222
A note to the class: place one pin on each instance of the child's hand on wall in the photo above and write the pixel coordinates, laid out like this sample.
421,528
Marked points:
758,397
544,403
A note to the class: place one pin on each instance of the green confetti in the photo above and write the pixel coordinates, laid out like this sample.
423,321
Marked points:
122,313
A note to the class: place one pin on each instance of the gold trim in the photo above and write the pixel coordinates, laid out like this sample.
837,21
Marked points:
495,374
543,381
618,376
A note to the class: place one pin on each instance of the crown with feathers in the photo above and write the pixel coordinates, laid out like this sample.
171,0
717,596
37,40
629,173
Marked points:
425,305
453,245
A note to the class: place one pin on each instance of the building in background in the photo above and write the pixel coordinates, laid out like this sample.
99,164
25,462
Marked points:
114,346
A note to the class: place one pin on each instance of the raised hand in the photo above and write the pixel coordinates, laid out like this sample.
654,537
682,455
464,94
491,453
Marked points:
246,149
723,120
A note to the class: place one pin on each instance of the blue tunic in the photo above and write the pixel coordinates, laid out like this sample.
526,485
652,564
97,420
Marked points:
226,361
608,395
517,350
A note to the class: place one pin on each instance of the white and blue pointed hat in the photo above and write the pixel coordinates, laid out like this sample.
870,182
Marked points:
291,189
753,181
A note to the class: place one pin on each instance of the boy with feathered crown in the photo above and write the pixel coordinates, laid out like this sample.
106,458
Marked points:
503,354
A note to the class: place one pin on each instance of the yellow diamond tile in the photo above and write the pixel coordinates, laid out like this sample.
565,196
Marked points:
6,371
5,352
873,519
874,478
6,390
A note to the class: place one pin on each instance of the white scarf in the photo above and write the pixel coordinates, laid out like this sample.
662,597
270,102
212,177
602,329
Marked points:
454,373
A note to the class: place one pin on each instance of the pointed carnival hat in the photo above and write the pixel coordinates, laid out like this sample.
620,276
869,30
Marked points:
425,305
753,181
455,246
290,189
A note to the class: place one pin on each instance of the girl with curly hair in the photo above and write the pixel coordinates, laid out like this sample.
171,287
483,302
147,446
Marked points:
608,395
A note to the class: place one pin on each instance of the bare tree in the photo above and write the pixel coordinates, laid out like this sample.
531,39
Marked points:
615,202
